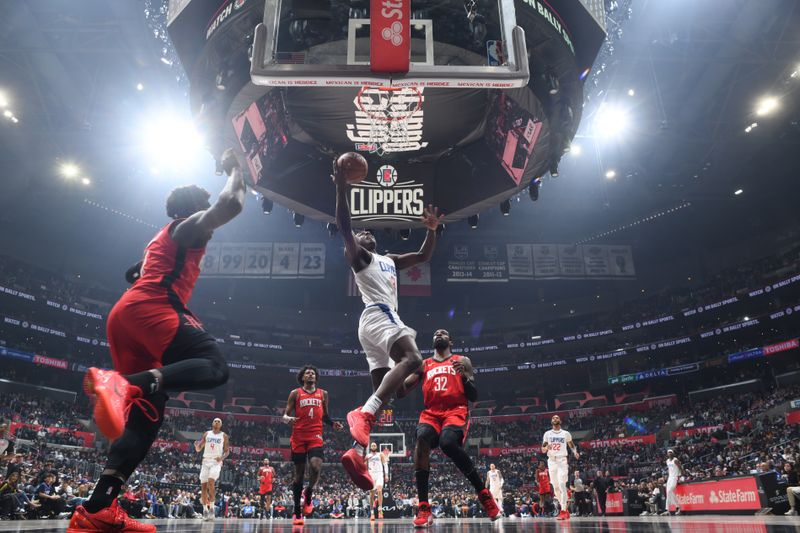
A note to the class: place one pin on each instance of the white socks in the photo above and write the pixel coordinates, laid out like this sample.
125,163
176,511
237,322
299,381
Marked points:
373,404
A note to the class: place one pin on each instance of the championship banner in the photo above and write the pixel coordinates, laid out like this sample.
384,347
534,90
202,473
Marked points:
545,261
608,443
596,261
735,494
415,281
520,261
570,261
477,263
264,260
620,259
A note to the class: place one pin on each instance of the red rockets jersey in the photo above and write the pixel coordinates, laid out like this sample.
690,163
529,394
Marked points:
265,475
442,388
168,269
543,480
308,409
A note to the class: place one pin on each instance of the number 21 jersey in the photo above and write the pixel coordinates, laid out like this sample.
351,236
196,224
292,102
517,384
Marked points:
442,388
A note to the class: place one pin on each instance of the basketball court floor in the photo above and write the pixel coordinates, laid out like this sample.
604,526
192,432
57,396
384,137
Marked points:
683,524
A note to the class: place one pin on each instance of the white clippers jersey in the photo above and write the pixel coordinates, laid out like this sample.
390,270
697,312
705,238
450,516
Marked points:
213,445
374,462
558,443
672,469
378,282
494,478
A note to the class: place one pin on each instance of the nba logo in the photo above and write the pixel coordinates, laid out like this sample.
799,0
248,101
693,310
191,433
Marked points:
387,176
494,53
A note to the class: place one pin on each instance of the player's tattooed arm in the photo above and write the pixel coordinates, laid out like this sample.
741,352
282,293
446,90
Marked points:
431,218
325,417
289,412
356,255
409,384
198,444
226,449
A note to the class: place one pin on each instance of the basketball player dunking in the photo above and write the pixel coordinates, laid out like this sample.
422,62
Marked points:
266,474
448,385
554,444
215,447
157,346
391,350
494,482
377,464
306,410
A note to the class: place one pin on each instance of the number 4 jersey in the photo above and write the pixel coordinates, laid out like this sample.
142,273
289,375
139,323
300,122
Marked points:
308,409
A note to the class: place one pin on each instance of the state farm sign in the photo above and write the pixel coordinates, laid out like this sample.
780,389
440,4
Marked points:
735,494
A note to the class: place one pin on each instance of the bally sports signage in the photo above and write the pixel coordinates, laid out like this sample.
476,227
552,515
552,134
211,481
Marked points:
387,198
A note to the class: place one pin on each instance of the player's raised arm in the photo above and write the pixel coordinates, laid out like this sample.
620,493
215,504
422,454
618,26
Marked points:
431,218
408,384
357,256
325,417
196,230
288,413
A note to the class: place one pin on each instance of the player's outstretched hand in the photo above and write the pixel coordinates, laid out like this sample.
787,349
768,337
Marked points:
338,426
338,175
229,161
431,217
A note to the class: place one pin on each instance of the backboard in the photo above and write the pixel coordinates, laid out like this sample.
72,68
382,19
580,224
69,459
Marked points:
399,43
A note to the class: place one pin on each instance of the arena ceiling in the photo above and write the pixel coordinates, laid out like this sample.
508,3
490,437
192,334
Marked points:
697,70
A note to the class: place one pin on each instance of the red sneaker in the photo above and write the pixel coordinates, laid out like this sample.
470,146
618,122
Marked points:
356,468
298,521
562,515
111,519
308,507
360,425
424,516
487,500
114,396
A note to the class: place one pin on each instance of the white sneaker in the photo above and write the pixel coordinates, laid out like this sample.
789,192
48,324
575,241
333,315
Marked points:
644,513
665,513
205,514
790,512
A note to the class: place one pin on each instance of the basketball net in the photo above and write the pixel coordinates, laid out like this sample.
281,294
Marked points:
390,118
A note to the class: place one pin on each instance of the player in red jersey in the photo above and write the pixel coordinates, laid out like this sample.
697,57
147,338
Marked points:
265,476
545,488
157,345
306,410
448,385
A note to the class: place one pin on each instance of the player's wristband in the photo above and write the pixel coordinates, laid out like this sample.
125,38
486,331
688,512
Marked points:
470,390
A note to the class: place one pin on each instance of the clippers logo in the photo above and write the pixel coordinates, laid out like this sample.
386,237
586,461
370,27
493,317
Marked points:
394,33
387,176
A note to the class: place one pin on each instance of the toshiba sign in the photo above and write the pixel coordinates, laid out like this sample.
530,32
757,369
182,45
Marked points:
736,494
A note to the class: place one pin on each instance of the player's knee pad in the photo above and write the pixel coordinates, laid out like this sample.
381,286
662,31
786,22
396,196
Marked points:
428,435
450,441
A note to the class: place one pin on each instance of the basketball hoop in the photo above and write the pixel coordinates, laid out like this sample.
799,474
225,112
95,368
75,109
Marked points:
391,114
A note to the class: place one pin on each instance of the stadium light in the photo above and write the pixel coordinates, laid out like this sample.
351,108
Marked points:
139,87
172,143
611,174
505,207
86,181
631,92
766,106
7,113
473,221
3,100
298,219
70,170
405,234
610,121
738,192
266,205
575,150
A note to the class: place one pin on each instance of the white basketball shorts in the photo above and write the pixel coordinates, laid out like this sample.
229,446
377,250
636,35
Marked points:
210,470
378,329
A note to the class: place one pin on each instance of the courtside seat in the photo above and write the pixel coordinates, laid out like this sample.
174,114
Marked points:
511,410
596,402
197,397
567,405
484,404
481,412
630,398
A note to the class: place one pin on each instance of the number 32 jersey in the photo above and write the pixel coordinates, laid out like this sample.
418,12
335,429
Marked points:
442,388
308,411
